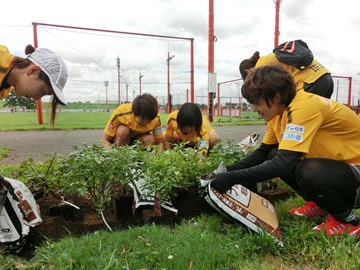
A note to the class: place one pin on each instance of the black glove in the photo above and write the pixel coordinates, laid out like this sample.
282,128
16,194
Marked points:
231,168
224,181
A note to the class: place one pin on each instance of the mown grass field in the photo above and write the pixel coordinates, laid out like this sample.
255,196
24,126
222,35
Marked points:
92,116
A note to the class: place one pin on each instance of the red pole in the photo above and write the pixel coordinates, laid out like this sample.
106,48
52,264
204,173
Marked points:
349,92
211,56
211,37
38,102
277,15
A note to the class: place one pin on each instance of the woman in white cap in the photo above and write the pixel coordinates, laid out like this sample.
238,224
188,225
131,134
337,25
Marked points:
41,73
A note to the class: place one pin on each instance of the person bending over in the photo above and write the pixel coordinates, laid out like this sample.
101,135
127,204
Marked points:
139,120
188,125
41,73
315,78
303,124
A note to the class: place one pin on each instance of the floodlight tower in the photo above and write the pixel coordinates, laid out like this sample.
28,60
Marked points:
127,92
168,81
106,84
140,77
118,67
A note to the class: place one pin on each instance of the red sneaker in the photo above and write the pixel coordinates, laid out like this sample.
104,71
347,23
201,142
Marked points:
310,209
334,227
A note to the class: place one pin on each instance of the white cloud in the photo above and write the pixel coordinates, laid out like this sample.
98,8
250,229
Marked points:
330,28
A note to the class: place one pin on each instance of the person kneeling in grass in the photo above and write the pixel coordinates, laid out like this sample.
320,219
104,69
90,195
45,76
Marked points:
319,148
42,72
189,125
139,120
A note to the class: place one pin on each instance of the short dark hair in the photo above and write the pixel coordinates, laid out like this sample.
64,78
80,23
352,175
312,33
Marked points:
264,82
146,106
189,115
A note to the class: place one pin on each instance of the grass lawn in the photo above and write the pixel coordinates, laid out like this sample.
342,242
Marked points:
89,120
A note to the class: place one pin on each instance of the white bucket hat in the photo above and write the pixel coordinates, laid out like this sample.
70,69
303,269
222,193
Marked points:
54,67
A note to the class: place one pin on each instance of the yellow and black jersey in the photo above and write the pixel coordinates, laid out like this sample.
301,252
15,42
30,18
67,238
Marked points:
5,62
123,115
318,127
308,75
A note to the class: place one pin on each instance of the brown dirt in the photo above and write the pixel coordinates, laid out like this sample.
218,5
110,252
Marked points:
60,220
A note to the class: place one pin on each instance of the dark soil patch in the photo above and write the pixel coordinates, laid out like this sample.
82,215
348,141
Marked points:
60,220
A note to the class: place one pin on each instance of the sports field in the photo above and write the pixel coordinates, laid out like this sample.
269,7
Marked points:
93,116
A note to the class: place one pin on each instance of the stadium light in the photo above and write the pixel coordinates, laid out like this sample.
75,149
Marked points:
140,76
127,92
118,67
168,81
106,84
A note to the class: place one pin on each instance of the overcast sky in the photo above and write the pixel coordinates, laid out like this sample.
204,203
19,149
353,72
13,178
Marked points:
330,28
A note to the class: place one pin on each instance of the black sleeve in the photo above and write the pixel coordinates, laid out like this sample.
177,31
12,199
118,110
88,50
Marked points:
257,157
280,165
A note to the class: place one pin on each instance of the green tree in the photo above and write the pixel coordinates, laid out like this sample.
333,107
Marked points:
13,100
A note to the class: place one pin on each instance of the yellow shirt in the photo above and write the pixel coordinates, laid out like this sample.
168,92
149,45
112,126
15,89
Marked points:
172,126
5,62
308,75
318,127
123,115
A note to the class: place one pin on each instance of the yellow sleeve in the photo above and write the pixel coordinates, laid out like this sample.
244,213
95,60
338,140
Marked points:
207,125
171,120
158,133
270,135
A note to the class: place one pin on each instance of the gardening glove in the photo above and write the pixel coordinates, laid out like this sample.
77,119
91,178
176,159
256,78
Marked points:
224,181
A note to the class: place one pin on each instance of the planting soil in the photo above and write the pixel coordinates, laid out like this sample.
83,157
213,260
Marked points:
61,219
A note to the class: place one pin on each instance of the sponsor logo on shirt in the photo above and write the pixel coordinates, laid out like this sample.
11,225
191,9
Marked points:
293,133
204,144
294,128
